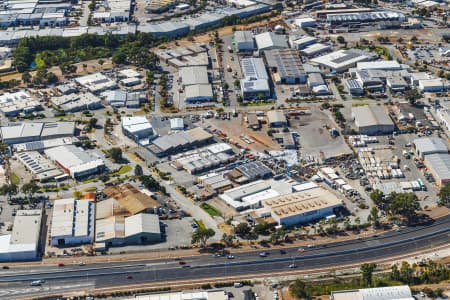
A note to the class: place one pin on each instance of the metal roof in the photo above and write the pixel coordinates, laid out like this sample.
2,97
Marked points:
439,165
286,61
255,169
270,40
254,68
430,145
371,115
193,75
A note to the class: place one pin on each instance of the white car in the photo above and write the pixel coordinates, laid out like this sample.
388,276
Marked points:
292,266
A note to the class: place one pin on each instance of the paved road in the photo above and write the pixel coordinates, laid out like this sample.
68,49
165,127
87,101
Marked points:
248,263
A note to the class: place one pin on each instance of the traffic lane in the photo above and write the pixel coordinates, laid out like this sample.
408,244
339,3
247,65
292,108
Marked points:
274,266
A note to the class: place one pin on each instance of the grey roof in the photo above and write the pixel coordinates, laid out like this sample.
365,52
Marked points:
276,116
315,79
198,90
253,68
243,36
194,75
170,141
21,130
353,84
430,145
58,128
371,115
439,165
255,169
270,40
286,61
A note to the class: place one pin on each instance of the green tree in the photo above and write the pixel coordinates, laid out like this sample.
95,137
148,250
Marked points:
377,197
30,188
412,96
242,229
374,216
367,273
116,154
444,195
237,83
9,190
92,122
138,170
278,236
101,62
406,273
404,204
299,289
26,77
340,39
395,273
228,240
202,235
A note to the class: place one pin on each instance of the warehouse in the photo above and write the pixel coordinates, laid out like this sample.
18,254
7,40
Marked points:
23,241
299,41
372,119
198,93
204,159
270,40
169,28
180,141
250,171
315,79
439,166
341,19
314,50
433,85
354,87
96,82
71,103
243,41
138,129
215,182
41,145
193,75
395,82
72,222
342,60
12,104
235,197
305,22
75,161
202,295
385,65
286,65
15,133
176,124
276,118
255,84
429,145
301,207
41,168
119,98
402,292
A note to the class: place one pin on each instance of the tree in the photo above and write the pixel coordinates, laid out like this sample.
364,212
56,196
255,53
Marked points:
228,239
374,217
377,197
26,77
404,204
367,272
92,122
406,273
242,229
444,195
138,170
412,96
116,154
237,83
30,188
395,273
77,194
340,39
101,62
9,190
278,236
299,289
202,235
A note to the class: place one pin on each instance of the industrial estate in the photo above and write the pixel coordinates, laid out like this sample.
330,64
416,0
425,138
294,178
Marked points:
248,149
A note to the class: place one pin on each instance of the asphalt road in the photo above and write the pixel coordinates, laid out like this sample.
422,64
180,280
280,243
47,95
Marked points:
17,280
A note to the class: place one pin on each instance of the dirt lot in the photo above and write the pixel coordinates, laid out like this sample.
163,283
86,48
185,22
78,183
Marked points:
236,127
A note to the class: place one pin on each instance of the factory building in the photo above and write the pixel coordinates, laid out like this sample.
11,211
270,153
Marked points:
23,242
270,40
75,161
276,118
198,93
138,129
203,295
250,171
439,166
354,18
40,167
169,28
402,292
215,182
305,22
372,119
180,141
342,60
286,66
244,41
429,145
193,75
354,87
315,49
299,41
433,85
255,84
72,222
301,207
16,133
385,65
12,104
96,82
71,103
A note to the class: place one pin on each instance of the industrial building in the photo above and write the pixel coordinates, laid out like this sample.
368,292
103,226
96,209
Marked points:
433,85
305,22
286,66
180,141
138,129
372,119
250,171
255,84
204,159
168,28
385,65
73,222
15,133
402,292
215,182
193,75
41,145
198,93
342,60
244,41
301,207
439,166
429,145
23,242
315,49
75,161
160,6
139,229
186,56
276,118
96,82
40,167
12,104
300,41
202,295
77,102
354,87
354,18
119,98
176,124
270,40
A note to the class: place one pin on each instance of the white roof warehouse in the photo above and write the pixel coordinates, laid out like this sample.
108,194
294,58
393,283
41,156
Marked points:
75,161
372,119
